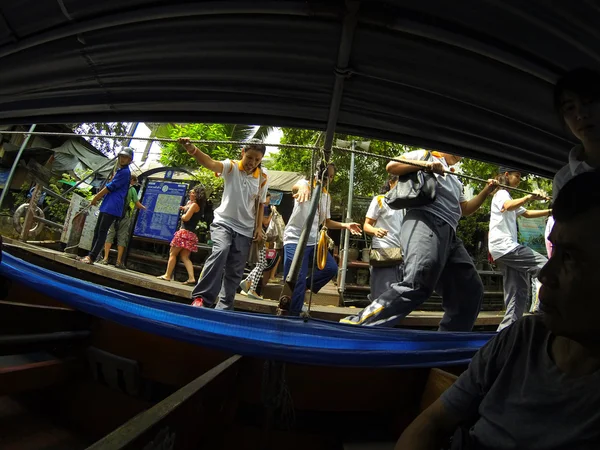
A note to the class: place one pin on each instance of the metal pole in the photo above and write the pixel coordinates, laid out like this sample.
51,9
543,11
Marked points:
292,278
14,166
341,73
344,269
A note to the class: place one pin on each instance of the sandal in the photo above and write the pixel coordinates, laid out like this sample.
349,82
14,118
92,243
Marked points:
189,283
85,260
162,277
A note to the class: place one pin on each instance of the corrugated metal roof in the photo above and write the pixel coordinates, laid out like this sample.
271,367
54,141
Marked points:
471,77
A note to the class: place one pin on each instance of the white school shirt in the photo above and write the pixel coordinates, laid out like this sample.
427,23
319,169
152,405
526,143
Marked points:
238,207
573,168
297,221
387,218
502,238
449,192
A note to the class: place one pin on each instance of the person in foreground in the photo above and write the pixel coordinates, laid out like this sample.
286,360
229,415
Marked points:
535,385
435,259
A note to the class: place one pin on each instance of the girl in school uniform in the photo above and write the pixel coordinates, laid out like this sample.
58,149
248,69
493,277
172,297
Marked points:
234,225
291,237
384,224
518,262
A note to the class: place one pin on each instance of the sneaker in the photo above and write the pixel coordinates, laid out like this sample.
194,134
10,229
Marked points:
198,302
120,266
254,295
102,262
245,286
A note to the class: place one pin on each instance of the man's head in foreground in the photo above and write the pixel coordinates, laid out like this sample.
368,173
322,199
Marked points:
570,293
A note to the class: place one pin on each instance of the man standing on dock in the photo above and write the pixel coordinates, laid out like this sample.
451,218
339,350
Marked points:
112,206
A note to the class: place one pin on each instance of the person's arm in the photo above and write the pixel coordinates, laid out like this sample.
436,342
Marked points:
258,232
511,205
99,195
190,212
139,205
536,213
353,227
267,220
475,203
399,168
301,191
201,158
430,430
369,227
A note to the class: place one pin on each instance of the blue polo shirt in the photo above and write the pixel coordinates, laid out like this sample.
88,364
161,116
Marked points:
118,187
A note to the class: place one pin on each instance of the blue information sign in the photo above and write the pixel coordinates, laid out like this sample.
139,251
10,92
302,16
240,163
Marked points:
160,220
3,177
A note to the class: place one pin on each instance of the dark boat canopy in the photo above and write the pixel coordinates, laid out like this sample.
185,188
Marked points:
471,77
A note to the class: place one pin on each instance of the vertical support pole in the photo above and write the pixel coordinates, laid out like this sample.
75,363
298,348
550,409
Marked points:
15,164
31,212
344,255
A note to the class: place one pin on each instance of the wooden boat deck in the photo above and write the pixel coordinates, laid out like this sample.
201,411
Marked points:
144,284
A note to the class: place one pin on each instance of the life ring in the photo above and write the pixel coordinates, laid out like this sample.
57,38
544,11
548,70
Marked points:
19,218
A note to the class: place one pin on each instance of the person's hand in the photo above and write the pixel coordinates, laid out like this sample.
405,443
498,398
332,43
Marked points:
380,232
189,147
491,185
353,227
94,201
303,194
435,167
259,235
539,195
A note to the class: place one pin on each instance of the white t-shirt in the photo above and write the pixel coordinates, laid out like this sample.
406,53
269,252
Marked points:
502,238
237,209
449,192
573,168
297,221
387,218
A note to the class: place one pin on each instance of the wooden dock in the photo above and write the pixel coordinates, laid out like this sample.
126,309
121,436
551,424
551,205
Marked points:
148,285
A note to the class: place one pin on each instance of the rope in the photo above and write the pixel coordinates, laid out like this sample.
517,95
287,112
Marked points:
446,172
136,138
241,143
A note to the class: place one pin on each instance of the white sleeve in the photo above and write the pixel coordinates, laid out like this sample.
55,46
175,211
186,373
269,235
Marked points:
374,209
500,197
520,211
227,168
416,155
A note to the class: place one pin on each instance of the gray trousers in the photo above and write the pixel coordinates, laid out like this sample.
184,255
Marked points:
434,259
224,268
382,279
517,267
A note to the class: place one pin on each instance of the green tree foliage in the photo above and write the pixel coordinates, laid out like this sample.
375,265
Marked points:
107,145
173,155
369,173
